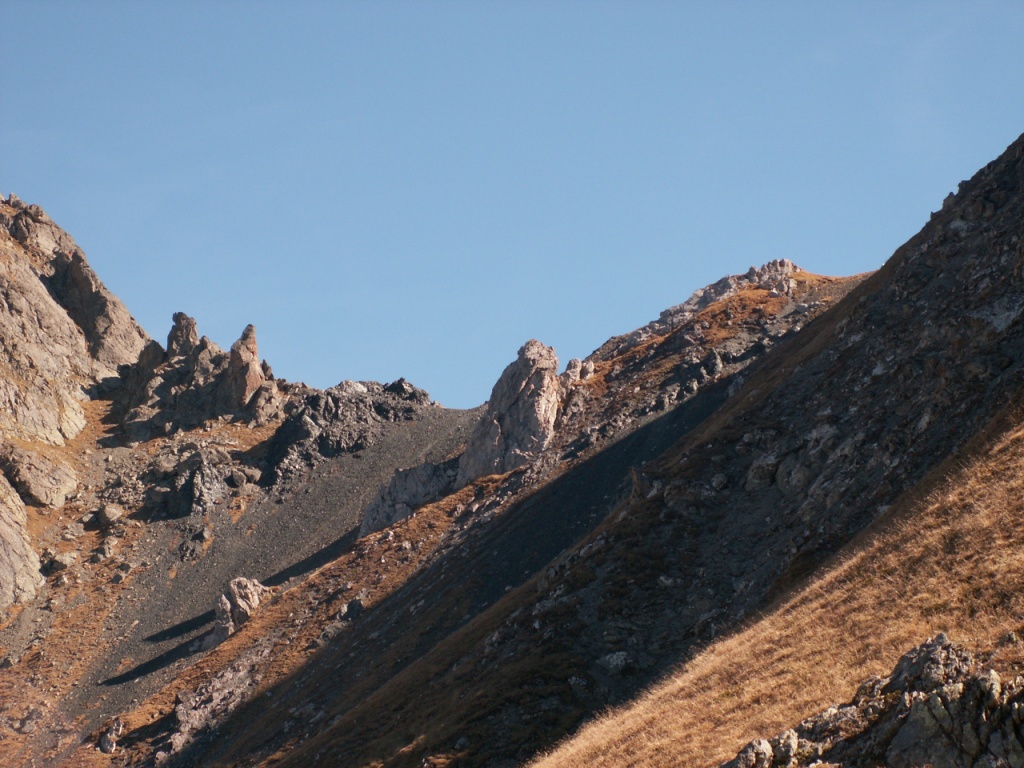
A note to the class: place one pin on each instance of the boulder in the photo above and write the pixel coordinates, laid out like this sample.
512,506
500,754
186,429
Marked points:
234,608
520,416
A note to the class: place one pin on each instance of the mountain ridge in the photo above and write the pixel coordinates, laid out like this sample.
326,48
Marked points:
275,574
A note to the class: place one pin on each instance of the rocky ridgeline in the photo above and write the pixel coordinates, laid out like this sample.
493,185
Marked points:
536,419
346,418
820,440
195,381
774,277
817,446
938,708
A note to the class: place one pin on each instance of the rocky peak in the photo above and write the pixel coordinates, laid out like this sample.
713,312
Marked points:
183,337
520,416
195,381
61,331
244,374
775,277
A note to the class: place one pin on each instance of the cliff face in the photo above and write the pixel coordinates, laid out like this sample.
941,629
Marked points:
61,331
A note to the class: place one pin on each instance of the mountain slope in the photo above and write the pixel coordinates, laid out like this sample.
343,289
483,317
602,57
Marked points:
193,466
830,430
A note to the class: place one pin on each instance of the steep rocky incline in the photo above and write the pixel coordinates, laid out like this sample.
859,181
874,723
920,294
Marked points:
61,330
538,423
62,335
823,435
566,468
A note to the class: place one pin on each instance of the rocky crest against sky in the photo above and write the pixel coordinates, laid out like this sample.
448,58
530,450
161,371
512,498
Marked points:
201,563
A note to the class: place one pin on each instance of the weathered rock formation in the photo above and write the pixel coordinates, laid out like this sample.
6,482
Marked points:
774,277
234,608
183,336
61,331
244,374
38,480
520,416
407,490
195,380
937,708
19,564
343,419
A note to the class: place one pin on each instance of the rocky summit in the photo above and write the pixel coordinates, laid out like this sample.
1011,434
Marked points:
775,526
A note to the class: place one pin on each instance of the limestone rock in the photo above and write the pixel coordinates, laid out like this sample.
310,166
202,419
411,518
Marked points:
113,336
38,480
935,709
520,416
183,336
61,331
19,564
244,374
234,608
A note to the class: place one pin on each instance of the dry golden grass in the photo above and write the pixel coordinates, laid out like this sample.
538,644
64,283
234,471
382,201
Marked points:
952,562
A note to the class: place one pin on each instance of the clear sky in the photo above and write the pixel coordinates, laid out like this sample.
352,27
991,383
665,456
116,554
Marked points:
415,189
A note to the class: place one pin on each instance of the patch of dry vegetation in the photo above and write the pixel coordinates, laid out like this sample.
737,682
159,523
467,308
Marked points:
951,562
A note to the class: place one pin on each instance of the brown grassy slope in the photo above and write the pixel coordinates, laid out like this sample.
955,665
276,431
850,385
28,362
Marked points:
951,561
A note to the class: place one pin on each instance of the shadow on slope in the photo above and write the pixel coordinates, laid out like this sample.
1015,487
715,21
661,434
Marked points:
465,581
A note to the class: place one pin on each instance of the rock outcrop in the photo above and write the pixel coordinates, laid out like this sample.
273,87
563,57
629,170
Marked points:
183,336
244,374
38,480
937,708
235,607
343,419
195,380
19,564
774,277
520,416
407,490
61,331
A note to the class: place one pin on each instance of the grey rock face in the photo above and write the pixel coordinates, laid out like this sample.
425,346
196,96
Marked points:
19,564
520,416
407,490
37,479
61,331
183,337
113,336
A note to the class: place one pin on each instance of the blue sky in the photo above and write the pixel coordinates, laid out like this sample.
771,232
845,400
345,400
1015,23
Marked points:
415,189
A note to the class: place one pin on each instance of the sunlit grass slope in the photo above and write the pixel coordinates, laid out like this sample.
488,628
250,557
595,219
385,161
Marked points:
948,559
